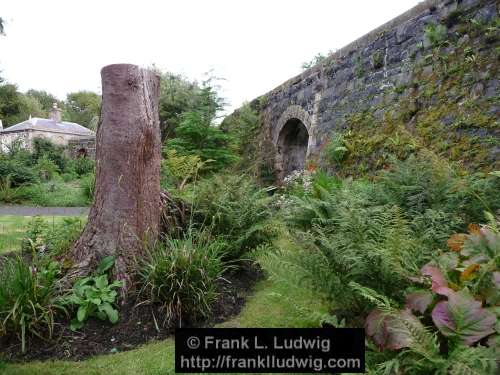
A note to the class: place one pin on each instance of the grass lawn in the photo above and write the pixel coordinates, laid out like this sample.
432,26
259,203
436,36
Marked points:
12,229
55,194
271,305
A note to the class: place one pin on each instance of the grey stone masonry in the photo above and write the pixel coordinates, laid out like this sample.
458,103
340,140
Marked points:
359,75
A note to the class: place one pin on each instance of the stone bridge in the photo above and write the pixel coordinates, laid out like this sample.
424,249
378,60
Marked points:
300,115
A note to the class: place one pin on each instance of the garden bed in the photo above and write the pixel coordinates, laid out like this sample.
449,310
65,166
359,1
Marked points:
135,327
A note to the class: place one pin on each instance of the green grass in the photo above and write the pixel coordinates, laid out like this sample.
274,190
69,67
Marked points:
12,229
270,305
55,194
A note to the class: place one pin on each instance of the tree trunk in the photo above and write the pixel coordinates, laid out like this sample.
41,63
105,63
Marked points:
125,214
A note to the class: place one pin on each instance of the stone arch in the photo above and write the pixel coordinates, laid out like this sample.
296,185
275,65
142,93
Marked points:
293,111
292,146
291,138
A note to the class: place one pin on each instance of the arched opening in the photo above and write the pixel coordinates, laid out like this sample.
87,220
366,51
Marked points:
81,153
292,146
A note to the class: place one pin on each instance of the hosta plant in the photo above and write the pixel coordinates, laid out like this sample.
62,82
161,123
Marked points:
94,296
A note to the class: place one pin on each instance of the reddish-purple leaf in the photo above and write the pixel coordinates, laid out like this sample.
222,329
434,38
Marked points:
390,331
375,327
463,317
496,279
399,335
437,277
419,301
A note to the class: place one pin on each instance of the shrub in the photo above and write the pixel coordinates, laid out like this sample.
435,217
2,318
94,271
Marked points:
18,172
83,166
196,135
87,183
54,194
335,150
69,176
28,301
177,169
94,296
8,194
43,148
182,275
233,208
452,309
55,240
426,182
46,168
415,344
372,246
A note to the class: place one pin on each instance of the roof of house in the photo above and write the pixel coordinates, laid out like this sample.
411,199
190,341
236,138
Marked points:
43,124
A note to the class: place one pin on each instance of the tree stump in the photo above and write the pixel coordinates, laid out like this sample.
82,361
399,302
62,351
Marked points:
125,214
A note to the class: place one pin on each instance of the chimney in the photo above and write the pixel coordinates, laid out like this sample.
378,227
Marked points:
55,113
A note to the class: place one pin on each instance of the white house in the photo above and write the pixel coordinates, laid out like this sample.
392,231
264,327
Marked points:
57,131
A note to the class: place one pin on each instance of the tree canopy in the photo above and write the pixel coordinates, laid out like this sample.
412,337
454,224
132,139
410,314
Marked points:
82,107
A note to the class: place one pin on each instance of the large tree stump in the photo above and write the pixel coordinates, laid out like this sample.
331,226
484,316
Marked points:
125,214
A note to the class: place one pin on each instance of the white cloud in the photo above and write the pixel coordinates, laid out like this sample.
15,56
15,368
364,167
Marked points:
60,46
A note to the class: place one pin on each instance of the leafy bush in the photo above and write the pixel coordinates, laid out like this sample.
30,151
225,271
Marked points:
28,300
182,275
415,348
426,182
335,149
46,168
372,246
8,194
83,166
94,296
87,183
196,135
18,172
43,148
177,169
55,240
54,194
453,308
233,208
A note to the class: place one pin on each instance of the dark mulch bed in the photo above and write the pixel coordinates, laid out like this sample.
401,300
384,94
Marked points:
135,327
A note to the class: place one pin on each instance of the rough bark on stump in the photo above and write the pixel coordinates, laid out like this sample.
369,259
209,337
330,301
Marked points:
125,214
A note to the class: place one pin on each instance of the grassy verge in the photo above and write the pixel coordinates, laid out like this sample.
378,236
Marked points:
13,228
55,194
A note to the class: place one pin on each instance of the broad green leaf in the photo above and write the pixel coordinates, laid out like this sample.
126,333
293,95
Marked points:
101,281
75,325
81,314
105,264
110,312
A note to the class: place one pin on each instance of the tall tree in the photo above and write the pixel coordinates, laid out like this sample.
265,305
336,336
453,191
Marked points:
125,214
82,107
45,98
178,96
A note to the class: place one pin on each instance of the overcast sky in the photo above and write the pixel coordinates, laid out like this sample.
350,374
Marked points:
60,46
